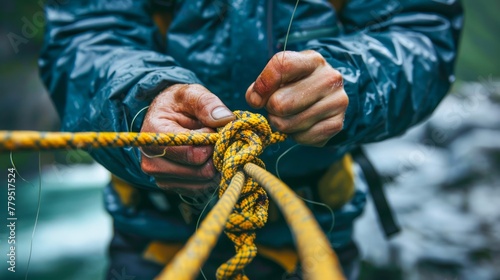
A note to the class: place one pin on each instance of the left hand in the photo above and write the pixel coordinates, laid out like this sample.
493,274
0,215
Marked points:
303,95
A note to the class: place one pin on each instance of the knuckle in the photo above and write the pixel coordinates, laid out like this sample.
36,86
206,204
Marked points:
203,101
261,85
319,141
321,134
344,100
316,57
333,128
208,171
178,91
284,63
304,139
190,155
337,127
200,98
334,79
276,105
194,92
279,124
194,88
171,90
280,61
197,155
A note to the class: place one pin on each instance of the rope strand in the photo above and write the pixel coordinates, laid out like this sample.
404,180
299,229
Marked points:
243,202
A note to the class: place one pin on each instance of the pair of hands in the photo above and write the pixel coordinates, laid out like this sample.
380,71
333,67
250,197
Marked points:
303,95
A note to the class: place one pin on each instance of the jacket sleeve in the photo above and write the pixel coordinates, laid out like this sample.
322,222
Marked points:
102,62
397,60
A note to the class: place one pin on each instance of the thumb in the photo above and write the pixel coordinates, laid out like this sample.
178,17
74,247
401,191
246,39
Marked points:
206,106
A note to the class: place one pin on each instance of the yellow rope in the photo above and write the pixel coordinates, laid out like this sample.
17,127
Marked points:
242,141
316,255
237,145
188,261
34,140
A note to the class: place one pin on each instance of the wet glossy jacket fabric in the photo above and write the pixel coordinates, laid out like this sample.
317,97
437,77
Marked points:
103,61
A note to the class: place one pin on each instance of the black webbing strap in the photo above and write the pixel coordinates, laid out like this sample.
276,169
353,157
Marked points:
385,215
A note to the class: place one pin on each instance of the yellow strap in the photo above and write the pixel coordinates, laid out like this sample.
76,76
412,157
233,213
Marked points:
285,257
128,195
336,186
161,253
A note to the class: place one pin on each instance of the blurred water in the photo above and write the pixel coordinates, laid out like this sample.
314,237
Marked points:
73,229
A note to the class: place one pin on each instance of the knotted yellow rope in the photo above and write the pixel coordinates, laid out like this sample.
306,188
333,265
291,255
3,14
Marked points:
240,142
237,144
39,141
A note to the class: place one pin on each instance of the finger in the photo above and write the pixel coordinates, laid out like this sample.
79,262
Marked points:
166,169
294,98
283,68
188,188
328,107
204,106
319,134
186,155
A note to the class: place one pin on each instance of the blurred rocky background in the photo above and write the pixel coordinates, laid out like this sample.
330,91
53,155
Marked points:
442,177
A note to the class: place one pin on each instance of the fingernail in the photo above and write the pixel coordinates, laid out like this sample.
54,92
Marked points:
221,113
255,98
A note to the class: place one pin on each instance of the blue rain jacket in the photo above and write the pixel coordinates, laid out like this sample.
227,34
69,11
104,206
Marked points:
103,61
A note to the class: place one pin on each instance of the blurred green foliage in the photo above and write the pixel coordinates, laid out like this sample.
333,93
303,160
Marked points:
21,28
478,57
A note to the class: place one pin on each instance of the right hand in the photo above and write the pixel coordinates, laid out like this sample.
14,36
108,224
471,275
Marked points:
187,170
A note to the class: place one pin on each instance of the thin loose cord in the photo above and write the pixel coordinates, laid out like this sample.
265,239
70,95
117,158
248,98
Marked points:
37,208
39,199
136,115
130,130
37,214
153,156
327,207
180,196
305,199
15,168
198,224
281,156
140,148
205,208
289,27
311,244
289,149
